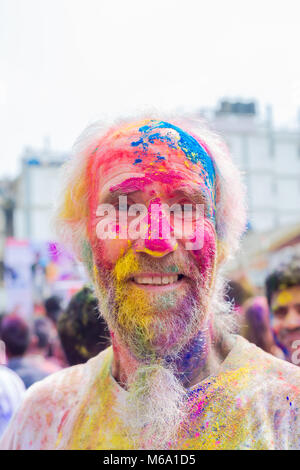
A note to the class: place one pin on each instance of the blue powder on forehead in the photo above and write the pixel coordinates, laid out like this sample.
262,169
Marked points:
192,149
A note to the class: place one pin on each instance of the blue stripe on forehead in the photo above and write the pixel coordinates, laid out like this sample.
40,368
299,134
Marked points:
192,149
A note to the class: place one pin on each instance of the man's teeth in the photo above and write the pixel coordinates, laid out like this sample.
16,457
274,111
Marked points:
158,280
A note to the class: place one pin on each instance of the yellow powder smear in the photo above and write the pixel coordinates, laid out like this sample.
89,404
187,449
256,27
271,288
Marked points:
70,209
284,298
97,425
125,265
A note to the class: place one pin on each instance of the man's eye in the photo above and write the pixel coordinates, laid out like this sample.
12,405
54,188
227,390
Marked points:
280,312
122,207
188,207
297,307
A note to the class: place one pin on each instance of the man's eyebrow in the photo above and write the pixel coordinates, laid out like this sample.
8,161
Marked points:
114,195
128,186
195,194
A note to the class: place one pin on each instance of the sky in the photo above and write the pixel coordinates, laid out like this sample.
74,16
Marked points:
67,63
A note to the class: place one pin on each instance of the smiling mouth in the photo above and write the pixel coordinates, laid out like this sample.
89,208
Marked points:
157,281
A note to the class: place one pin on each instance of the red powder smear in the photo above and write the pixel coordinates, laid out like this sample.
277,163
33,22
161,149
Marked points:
152,242
63,420
205,256
132,184
44,440
138,183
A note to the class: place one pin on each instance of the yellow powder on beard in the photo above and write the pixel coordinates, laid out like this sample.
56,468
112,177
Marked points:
133,303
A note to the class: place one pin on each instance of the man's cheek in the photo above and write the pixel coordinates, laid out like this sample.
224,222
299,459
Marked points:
205,256
107,252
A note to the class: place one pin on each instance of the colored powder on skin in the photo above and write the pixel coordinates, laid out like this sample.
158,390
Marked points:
155,244
133,305
139,183
284,298
193,150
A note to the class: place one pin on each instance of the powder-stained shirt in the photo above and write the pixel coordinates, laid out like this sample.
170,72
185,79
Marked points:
252,403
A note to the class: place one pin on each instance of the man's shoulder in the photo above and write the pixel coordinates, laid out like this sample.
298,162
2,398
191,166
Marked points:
48,404
67,382
268,370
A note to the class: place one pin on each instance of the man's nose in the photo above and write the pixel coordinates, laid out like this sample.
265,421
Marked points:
292,319
159,240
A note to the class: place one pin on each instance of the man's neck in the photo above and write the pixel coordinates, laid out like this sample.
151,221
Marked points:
201,358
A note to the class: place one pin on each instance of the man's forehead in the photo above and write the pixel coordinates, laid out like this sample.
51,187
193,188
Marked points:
285,296
152,146
156,184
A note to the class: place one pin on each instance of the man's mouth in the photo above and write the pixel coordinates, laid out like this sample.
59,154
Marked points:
157,282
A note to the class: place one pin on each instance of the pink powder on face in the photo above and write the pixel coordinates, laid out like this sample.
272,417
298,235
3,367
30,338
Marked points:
206,256
152,242
114,152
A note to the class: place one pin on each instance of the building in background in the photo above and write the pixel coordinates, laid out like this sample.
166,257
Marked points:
36,190
7,205
33,265
269,159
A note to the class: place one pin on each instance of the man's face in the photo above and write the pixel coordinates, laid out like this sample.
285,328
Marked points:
154,293
285,307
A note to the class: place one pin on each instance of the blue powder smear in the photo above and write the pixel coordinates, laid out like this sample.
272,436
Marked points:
188,144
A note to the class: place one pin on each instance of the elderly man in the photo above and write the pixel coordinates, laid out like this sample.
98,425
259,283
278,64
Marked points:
175,376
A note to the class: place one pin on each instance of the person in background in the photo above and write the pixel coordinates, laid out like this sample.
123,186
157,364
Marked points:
283,294
53,311
16,335
53,308
82,331
237,295
257,326
12,389
12,392
38,351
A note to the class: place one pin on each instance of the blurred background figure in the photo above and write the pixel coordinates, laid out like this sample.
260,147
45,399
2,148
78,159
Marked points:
40,344
16,334
283,294
82,330
53,310
12,388
237,295
12,392
257,326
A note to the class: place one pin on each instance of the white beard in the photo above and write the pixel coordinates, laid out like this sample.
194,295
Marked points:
155,407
